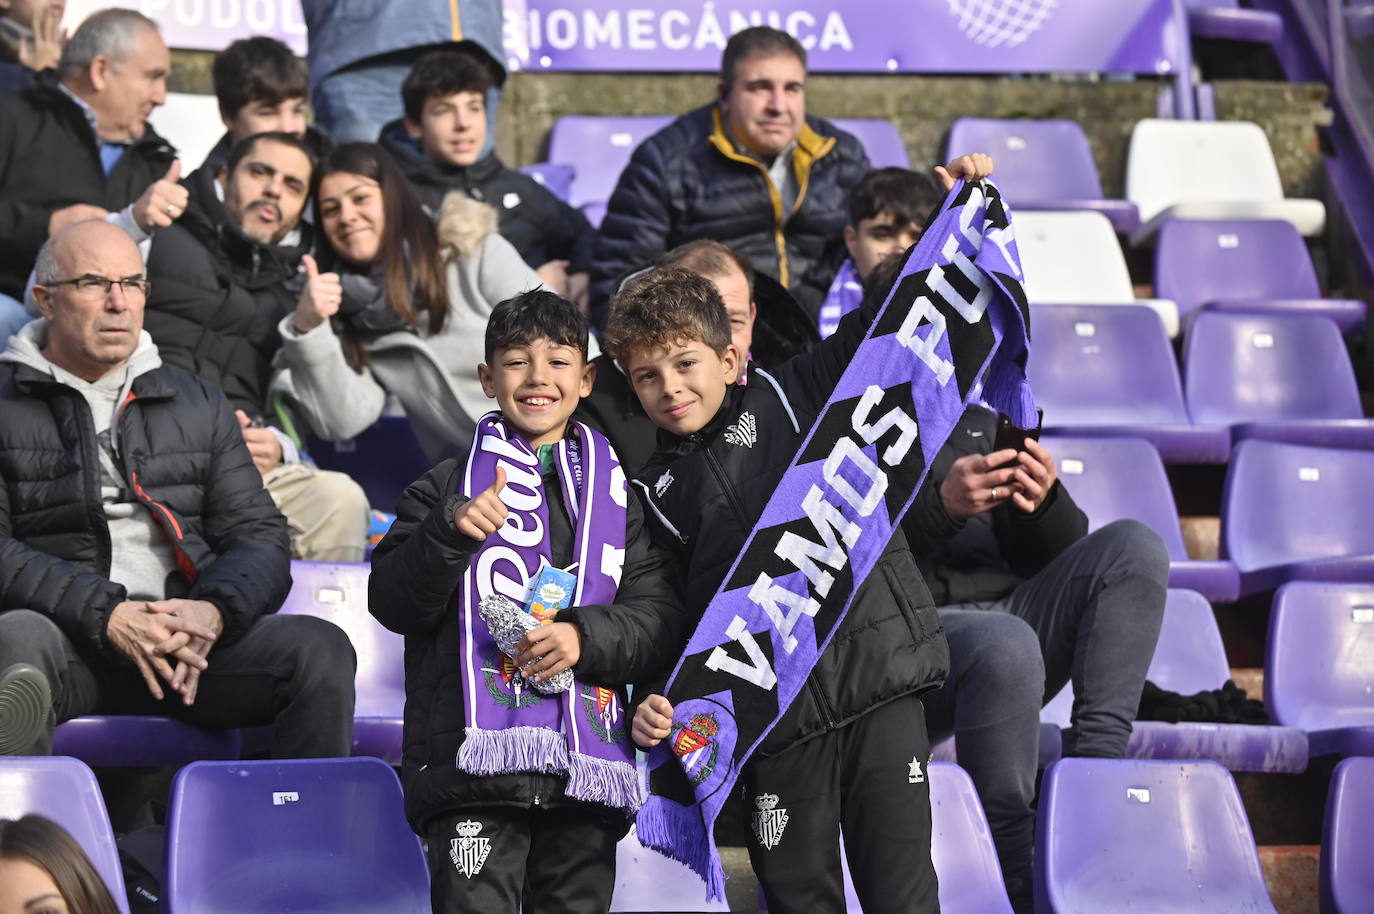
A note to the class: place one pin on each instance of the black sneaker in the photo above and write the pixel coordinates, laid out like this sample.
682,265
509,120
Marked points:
25,702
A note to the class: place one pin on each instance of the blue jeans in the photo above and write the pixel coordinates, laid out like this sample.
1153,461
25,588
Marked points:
354,104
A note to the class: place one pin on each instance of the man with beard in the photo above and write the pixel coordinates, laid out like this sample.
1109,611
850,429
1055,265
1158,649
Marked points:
223,276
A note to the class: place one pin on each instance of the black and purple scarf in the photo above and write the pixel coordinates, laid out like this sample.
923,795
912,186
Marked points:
510,726
955,317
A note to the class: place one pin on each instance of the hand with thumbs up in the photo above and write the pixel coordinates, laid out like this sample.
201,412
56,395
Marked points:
163,202
484,513
319,299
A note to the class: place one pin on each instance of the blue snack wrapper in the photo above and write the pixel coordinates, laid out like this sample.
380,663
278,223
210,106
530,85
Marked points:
551,590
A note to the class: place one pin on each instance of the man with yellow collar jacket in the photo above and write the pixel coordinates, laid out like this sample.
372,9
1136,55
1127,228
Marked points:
750,170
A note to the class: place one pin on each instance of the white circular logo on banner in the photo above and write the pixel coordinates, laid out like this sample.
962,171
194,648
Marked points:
1001,23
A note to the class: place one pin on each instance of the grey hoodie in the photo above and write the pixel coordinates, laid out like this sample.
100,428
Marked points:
141,556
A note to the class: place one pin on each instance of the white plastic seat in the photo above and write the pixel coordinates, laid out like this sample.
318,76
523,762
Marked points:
1073,258
192,124
1209,170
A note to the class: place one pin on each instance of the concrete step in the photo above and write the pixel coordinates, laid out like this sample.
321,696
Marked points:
1290,872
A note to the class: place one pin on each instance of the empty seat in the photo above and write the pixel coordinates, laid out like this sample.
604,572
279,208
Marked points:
1108,371
137,740
645,880
65,790
1280,377
1190,658
1254,265
327,836
1129,835
1209,170
1294,513
1347,880
1075,259
1115,478
598,148
1041,164
556,176
384,459
1227,20
880,139
338,592
1319,667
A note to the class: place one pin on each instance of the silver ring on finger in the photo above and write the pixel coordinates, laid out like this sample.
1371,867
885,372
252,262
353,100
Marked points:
996,493
171,209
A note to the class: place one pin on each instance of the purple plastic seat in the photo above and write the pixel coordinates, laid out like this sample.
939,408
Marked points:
646,880
1148,836
1042,165
65,790
880,139
1294,513
1279,377
1253,266
1190,658
1225,19
1319,667
1115,478
384,459
598,148
139,741
326,836
556,176
1347,880
1107,371
338,592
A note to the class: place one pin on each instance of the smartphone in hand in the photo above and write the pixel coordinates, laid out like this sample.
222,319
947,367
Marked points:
1013,436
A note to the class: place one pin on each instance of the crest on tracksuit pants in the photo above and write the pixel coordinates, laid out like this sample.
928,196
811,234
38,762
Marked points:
769,820
468,851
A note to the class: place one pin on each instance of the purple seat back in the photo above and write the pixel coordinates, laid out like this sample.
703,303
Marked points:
598,148
1036,160
1126,834
1248,368
880,138
1202,260
1347,879
128,740
326,836
1319,668
1104,365
1284,503
556,176
384,459
65,790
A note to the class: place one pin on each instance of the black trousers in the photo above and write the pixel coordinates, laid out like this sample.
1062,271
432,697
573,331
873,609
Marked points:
491,859
866,780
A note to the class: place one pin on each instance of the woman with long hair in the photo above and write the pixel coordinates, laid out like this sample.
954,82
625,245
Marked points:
394,305
44,871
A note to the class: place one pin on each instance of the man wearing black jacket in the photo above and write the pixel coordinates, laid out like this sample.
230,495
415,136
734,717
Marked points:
141,561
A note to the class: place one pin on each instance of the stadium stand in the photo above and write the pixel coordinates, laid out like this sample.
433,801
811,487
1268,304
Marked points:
1347,880
880,139
557,177
384,459
1228,20
598,148
129,740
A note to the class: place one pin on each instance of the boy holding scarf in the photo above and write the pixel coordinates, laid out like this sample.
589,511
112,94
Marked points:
521,791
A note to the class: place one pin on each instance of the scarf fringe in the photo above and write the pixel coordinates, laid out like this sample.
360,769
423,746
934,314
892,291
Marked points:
677,832
1007,390
487,752
604,781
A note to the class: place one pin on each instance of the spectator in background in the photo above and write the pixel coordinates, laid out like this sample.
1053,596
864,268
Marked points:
888,210
141,561
441,146
390,309
31,40
44,871
751,170
223,276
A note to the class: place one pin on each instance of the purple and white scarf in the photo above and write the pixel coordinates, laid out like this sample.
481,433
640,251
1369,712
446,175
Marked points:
510,726
845,293
956,315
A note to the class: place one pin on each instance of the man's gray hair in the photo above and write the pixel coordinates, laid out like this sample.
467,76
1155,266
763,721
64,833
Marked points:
46,269
109,33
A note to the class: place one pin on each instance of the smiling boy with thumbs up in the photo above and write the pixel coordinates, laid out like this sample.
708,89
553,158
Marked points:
518,789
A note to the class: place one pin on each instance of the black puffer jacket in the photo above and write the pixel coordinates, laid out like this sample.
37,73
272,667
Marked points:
536,223
183,456
416,570
49,159
218,296
688,181
711,487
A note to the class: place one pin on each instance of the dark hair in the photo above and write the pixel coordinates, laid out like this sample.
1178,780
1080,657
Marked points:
710,259
909,195
412,270
666,306
246,145
444,72
51,848
536,315
257,69
761,39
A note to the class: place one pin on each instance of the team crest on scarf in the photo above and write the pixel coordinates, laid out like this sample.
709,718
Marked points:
504,683
467,851
769,820
602,707
694,743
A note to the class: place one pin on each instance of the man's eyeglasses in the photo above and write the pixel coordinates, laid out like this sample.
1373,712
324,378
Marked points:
91,286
